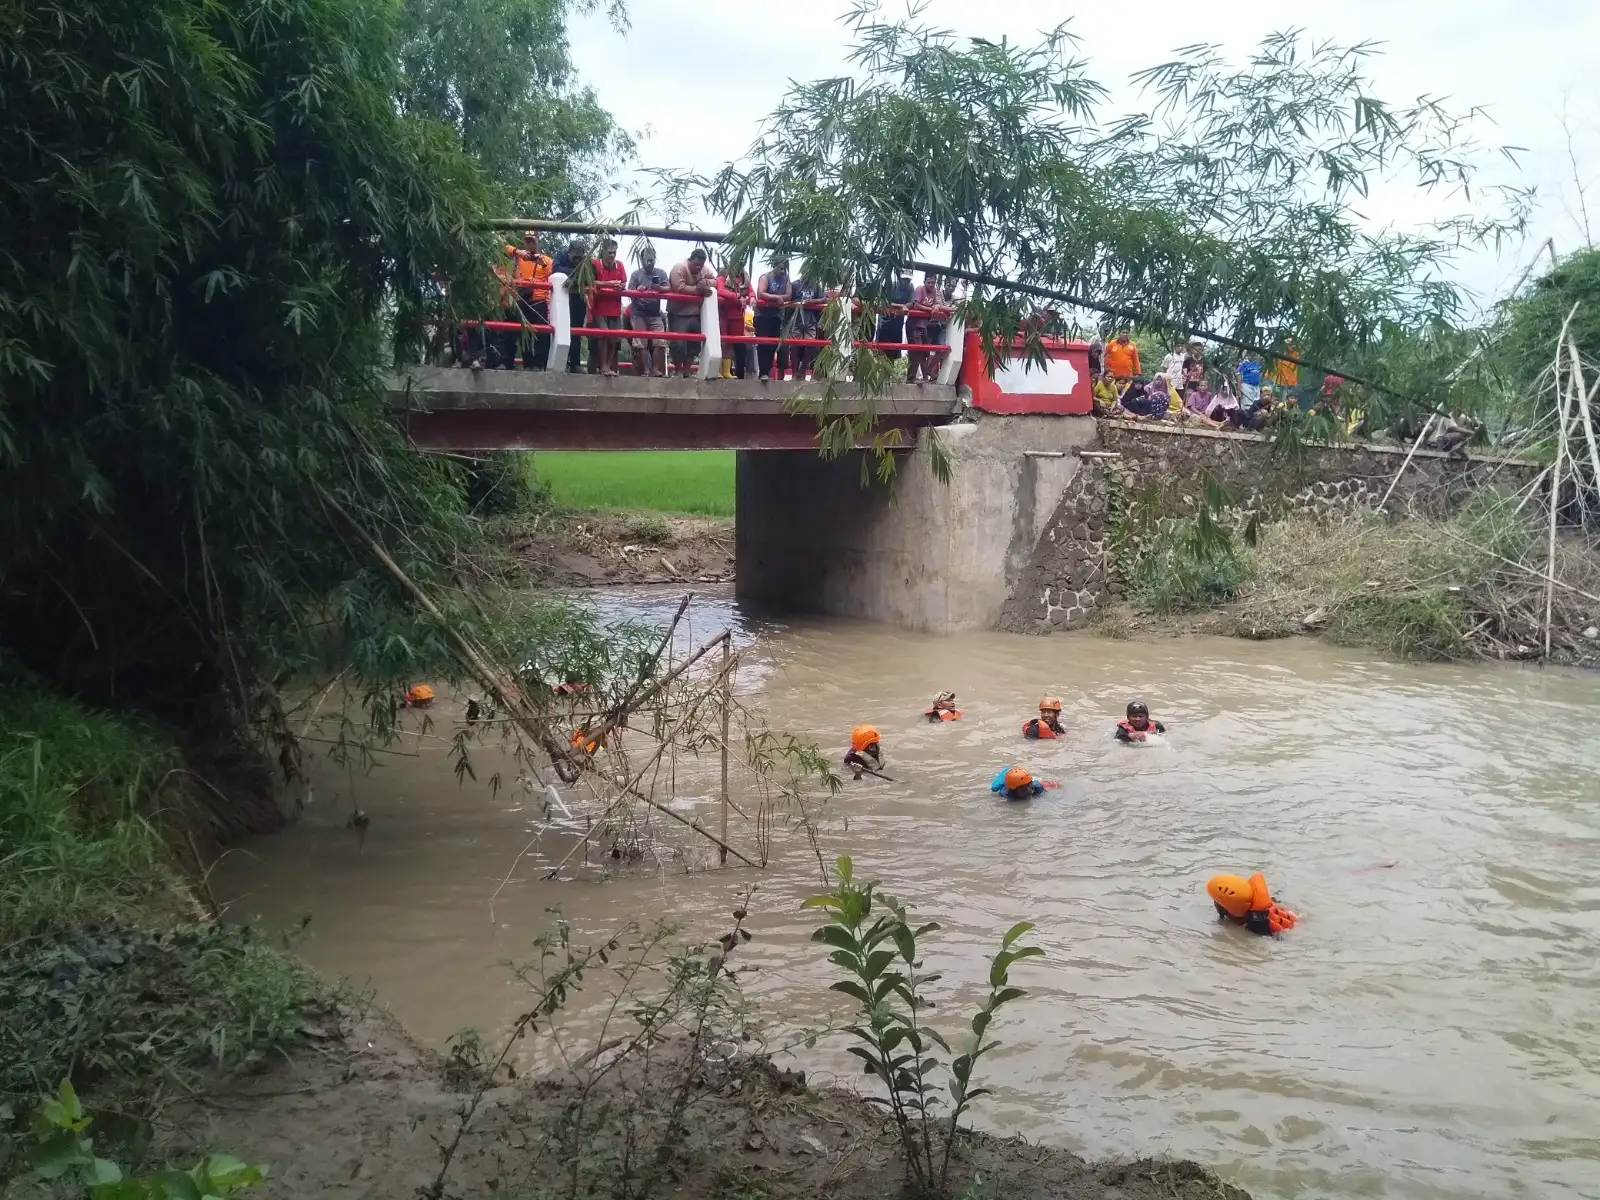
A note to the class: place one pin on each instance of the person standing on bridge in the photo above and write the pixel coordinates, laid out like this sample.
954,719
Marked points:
693,280
807,298
605,306
567,263
530,270
774,295
892,320
645,315
733,293
920,364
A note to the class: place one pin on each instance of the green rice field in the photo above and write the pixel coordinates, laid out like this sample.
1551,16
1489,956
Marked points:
670,481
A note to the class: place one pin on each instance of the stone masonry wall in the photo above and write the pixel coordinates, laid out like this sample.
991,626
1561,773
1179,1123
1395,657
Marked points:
1071,572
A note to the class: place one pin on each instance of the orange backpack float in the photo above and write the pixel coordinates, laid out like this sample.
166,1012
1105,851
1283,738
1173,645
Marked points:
1249,902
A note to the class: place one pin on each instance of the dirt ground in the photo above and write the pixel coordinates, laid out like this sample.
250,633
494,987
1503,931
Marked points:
587,549
363,1113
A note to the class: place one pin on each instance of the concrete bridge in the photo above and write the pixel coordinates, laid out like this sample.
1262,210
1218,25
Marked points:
809,535
452,408
1016,539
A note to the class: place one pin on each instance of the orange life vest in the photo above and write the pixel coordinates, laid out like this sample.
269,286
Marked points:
532,268
942,714
1038,728
1150,727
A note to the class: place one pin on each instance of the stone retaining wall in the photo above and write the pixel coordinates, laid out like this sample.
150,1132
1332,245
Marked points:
1071,572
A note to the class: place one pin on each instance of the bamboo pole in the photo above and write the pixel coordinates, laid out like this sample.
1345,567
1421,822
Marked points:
1523,567
1395,482
1584,414
727,705
1555,504
469,655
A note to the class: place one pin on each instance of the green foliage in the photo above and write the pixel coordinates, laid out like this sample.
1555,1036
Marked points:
878,952
1232,202
220,228
1532,321
96,982
500,73
674,481
500,484
1426,624
1174,575
1173,563
81,794
63,1153
139,1012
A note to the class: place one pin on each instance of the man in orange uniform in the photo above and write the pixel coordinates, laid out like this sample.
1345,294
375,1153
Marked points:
530,275
1249,903
605,305
1122,356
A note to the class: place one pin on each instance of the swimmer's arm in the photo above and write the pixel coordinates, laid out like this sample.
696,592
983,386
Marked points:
1160,728
1122,735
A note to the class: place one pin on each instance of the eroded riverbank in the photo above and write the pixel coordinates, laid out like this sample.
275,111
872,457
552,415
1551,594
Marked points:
1441,857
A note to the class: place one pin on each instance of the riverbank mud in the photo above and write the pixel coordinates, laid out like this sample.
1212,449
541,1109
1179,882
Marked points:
364,1111
603,548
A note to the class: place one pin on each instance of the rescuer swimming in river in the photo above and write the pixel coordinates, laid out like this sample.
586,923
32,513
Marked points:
944,708
1248,902
1138,725
1018,783
1048,723
865,753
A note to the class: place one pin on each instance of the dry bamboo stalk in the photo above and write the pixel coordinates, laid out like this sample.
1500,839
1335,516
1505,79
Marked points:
1523,567
469,655
643,698
1562,398
1395,482
682,820
1584,396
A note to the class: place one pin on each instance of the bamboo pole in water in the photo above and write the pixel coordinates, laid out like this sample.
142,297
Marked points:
727,704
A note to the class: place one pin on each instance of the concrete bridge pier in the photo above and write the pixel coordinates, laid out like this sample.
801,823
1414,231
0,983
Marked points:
920,554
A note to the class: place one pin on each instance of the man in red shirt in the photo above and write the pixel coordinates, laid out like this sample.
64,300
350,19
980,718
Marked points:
605,304
923,303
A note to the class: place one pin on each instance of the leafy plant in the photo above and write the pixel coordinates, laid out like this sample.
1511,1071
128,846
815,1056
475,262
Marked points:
876,946
1231,197
1172,562
63,1152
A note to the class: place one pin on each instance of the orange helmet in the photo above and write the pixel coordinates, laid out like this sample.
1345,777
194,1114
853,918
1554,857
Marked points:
1050,704
419,694
863,736
1018,777
1232,892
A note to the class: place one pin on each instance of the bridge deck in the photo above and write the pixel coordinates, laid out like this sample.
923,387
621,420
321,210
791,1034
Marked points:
451,408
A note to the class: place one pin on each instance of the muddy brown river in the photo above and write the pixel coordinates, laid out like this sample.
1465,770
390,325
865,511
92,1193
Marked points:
1431,1028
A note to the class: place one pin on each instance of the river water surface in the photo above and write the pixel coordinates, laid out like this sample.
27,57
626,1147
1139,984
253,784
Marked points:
1431,1028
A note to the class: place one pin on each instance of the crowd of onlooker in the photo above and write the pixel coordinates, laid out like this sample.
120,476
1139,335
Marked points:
770,329
780,311
1243,394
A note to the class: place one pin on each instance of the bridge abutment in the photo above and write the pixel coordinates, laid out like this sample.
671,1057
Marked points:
917,553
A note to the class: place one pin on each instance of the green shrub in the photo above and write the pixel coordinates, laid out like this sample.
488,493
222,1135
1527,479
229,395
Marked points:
139,1011
1174,574
1428,625
64,1151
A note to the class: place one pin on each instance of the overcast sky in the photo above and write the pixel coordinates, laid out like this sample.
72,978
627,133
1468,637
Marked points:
695,77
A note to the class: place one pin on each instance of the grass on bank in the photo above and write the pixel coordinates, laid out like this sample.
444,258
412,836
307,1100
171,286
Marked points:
698,482
108,974
1408,588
